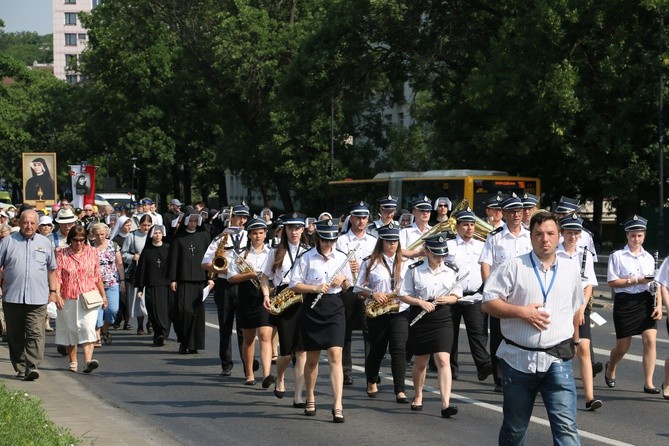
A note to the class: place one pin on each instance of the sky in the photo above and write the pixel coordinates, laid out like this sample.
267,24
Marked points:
26,15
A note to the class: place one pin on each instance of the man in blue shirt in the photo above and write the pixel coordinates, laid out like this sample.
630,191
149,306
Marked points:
28,284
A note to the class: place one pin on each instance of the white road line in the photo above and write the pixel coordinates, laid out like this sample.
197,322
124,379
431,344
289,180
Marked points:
464,399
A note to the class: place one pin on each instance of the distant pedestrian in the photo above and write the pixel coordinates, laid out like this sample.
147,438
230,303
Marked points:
28,284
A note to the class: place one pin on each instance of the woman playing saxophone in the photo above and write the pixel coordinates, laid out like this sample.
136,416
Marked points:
277,270
383,272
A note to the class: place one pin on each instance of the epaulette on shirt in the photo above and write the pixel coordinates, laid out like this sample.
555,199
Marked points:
420,262
367,258
451,265
495,231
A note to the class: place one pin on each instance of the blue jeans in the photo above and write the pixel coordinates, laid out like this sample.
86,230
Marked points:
558,392
109,313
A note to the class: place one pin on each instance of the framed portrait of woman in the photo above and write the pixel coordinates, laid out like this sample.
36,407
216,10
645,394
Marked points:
39,177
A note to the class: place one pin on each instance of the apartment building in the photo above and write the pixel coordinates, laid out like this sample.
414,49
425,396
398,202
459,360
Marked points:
69,36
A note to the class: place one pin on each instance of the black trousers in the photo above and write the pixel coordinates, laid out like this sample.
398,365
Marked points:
477,335
225,297
495,341
389,330
354,311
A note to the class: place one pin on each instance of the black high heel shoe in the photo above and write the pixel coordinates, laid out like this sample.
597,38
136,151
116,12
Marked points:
449,411
278,393
338,415
310,409
664,395
401,399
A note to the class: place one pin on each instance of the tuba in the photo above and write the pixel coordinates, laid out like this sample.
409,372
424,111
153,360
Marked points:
286,298
481,227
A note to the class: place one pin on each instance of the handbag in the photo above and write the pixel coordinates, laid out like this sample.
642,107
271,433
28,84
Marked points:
91,299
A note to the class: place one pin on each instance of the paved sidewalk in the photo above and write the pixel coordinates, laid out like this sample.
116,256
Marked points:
70,405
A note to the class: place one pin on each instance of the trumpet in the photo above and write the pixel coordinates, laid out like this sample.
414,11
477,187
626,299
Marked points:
245,267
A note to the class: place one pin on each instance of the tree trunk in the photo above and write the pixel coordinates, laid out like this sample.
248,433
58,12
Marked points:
187,184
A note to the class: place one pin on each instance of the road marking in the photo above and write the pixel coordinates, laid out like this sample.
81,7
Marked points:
464,399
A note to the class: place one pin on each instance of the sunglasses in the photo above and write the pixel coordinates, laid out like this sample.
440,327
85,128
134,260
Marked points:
442,206
78,239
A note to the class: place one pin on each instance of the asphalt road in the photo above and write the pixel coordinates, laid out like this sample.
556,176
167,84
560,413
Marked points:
185,396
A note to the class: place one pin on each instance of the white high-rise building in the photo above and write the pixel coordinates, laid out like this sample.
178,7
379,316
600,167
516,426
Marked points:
69,36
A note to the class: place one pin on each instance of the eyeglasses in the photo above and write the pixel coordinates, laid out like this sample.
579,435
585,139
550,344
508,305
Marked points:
514,211
442,206
78,239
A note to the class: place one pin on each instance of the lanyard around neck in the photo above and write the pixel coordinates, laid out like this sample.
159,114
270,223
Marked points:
541,284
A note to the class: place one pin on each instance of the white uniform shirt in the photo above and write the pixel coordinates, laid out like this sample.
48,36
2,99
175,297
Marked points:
256,259
623,264
213,246
465,255
423,283
663,273
282,275
346,242
379,278
585,241
588,276
516,282
313,269
502,246
411,234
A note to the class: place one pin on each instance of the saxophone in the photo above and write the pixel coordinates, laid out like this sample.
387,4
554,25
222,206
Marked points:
376,309
286,298
220,262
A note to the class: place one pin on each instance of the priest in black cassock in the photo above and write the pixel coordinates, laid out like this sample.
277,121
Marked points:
154,284
187,280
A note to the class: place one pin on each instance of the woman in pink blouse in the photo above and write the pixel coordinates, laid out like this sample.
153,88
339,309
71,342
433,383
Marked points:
78,272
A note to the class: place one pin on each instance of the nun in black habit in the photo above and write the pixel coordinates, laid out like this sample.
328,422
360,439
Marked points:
187,280
153,283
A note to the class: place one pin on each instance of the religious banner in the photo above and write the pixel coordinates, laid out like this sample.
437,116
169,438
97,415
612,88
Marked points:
83,184
39,178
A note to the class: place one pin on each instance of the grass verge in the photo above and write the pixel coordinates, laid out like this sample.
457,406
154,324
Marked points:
23,422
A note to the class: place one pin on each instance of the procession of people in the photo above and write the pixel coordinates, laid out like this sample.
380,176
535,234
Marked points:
295,286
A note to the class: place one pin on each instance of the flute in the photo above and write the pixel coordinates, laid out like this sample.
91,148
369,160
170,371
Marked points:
341,267
424,312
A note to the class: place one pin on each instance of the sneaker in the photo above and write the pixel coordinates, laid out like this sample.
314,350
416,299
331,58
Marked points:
91,365
593,405
227,371
31,374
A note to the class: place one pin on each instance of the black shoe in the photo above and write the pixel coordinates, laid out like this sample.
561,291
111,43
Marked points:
299,405
250,382
310,408
279,393
338,415
159,341
664,395
611,382
227,371
193,352
416,407
372,394
484,372
597,367
454,374
593,405
449,411
651,390
401,399
32,374
91,365
127,326
268,381
256,365
62,350
347,380
183,350
497,389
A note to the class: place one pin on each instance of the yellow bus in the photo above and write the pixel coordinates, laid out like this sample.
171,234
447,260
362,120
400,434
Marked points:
477,186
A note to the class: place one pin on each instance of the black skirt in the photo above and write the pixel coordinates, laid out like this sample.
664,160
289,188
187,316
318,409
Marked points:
250,310
433,333
288,328
632,314
584,330
323,326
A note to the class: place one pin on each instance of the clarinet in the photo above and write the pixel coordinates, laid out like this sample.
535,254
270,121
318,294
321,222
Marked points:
341,267
424,312
583,261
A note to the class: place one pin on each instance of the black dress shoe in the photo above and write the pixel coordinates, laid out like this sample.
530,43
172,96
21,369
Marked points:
449,411
611,382
416,407
597,367
401,399
279,393
484,372
268,381
651,390
62,350
299,405
250,382
347,380
310,408
664,395
497,389
338,415
372,394
183,350
227,371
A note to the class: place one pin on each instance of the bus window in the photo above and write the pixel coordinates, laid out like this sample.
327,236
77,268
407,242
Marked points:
454,189
342,194
485,189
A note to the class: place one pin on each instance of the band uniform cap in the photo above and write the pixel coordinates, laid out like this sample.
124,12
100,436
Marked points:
390,232
494,202
241,209
530,201
66,216
571,221
512,202
175,202
295,219
465,215
256,223
146,201
327,229
360,209
446,200
388,202
635,223
437,244
422,204
567,205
